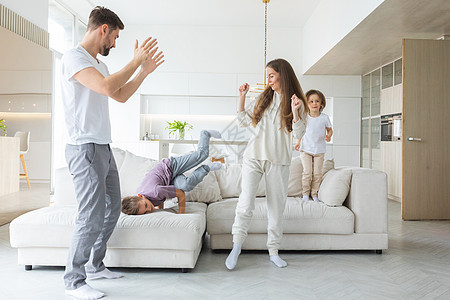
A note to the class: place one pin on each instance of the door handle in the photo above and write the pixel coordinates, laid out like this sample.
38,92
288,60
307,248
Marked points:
412,139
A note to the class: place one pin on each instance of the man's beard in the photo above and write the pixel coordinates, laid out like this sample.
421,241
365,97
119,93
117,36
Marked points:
105,51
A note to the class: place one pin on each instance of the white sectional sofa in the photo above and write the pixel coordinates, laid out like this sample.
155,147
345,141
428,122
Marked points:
360,223
166,239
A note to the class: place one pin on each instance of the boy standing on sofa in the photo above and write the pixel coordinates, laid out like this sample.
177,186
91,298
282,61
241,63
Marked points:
166,179
86,85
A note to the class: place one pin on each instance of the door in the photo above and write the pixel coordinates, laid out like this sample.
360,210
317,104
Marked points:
426,130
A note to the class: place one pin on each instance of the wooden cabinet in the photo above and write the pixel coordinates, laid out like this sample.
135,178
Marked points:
9,165
391,102
370,120
391,163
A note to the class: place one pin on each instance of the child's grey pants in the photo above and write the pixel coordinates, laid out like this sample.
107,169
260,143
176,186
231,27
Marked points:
181,164
97,189
276,177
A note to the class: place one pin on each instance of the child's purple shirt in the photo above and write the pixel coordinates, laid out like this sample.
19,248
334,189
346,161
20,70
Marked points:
156,184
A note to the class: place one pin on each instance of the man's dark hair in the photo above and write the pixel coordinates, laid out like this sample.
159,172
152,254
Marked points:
101,15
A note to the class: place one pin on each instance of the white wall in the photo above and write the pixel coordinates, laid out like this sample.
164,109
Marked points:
198,82
214,49
330,22
345,92
25,98
35,11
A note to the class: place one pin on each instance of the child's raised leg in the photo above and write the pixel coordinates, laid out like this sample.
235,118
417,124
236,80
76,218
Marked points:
181,164
186,183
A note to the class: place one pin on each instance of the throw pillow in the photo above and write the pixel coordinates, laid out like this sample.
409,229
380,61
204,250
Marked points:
229,180
119,156
327,166
207,191
133,171
295,178
335,187
296,173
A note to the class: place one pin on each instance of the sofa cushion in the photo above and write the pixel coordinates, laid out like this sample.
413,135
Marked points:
229,179
119,156
133,171
335,187
327,166
295,178
207,191
53,227
64,191
299,217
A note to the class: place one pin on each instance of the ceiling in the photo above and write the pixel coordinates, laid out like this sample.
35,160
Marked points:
377,40
290,13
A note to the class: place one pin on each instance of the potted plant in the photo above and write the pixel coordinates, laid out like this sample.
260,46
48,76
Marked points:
3,126
178,127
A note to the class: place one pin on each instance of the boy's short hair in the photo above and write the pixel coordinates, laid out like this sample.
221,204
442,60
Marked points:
101,15
130,205
321,97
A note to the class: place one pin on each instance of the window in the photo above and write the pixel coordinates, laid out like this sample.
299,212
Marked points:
80,31
60,27
66,31
387,76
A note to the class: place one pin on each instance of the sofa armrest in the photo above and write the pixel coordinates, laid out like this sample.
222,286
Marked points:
367,200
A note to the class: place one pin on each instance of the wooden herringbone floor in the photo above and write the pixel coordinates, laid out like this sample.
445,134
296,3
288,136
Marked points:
416,266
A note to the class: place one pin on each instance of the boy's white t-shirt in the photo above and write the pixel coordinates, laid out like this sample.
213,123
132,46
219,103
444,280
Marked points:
313,141
86,111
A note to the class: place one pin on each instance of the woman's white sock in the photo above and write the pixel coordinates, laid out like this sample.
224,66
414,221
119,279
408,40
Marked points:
276,259
85,292
233,257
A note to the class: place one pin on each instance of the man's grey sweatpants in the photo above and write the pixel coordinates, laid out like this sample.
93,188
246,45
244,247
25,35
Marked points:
97,189
181,164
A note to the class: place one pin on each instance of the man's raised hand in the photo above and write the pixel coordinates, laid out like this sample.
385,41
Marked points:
153,61
142,52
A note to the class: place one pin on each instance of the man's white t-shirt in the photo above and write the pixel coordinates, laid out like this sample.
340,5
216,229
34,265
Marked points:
86,111
313,141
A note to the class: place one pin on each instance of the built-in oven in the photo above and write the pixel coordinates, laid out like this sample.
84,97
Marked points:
391,127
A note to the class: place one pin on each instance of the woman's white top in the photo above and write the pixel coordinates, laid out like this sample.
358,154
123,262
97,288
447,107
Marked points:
313,141
269,141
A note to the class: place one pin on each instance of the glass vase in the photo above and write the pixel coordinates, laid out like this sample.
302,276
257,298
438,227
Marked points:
181,134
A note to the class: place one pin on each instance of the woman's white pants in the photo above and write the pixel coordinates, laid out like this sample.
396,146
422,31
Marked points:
276,177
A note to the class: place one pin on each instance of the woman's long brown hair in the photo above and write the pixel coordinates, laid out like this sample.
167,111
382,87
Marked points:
289,85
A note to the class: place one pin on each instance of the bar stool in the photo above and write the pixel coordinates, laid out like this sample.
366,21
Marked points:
24,146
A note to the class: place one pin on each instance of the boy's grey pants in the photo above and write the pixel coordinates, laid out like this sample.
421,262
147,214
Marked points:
97,189
181,164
